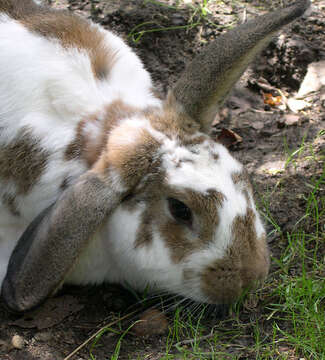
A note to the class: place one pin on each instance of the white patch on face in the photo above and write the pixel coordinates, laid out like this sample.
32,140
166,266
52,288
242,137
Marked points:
202,171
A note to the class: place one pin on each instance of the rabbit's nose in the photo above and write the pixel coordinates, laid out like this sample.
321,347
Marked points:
223,281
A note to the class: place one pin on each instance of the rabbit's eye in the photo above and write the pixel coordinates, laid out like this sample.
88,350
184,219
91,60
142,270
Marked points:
180,211
127,197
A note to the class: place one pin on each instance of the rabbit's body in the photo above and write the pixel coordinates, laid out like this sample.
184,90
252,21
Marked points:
46,90
102,181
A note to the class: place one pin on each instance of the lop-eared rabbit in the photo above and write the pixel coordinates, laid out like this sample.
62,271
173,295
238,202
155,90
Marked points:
100,180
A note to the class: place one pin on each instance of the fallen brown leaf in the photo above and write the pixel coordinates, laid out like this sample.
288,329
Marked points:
152,322
228,137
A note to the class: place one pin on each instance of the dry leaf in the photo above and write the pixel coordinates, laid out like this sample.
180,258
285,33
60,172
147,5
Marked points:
152,322
228,137
271,100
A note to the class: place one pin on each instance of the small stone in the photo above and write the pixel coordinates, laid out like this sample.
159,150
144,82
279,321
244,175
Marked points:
43,336
257,125
314,79
291,119
17,342
152,322
297,105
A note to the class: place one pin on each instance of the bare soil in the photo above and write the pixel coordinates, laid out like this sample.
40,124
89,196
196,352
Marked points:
67,320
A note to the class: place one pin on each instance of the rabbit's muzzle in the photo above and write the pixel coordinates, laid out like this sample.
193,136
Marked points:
225,280
244,266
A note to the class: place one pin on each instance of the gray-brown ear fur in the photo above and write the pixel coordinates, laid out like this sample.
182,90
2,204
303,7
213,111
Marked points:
208,79
52,243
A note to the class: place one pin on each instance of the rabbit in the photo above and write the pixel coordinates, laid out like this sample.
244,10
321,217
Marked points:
103,181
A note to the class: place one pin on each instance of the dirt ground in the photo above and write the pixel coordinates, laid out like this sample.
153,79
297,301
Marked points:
265,128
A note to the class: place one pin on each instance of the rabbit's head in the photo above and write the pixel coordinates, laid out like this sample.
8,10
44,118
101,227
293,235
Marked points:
176,210
189,224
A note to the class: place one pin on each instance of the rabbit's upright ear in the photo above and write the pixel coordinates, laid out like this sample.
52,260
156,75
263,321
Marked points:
207,80
52,243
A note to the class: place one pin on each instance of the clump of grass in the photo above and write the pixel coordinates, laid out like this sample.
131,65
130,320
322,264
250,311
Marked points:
199,13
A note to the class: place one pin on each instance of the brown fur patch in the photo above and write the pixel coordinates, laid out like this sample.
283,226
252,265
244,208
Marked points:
145,231
131,152
70,30
75,148
9,201
144,234
246,262
152,198
23,161
177,125
89,149
243,177
176,238
204,208
172,124
192,141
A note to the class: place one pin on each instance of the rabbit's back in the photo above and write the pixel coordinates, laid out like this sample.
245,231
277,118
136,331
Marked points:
56,71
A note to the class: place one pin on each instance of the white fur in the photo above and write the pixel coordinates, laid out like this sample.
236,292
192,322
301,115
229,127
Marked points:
127,75
49,90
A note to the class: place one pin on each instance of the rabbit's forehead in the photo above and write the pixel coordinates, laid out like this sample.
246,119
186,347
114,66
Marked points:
200,167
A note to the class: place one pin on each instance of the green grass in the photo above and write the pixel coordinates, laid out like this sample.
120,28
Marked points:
198,14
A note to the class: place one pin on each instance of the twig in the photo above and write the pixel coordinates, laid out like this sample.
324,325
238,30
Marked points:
189,341
261,111
244,16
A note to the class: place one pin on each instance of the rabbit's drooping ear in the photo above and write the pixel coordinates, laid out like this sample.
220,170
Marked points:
207,80
52,243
